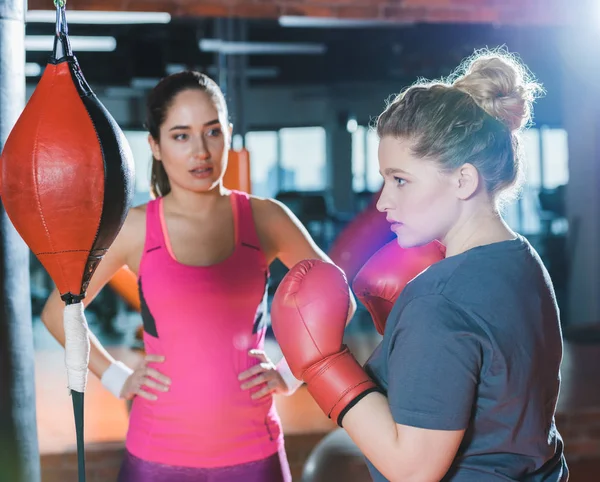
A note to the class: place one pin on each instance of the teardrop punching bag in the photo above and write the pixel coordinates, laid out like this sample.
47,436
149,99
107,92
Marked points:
67,185
19,451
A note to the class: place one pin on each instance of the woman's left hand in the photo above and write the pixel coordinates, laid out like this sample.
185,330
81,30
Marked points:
266,374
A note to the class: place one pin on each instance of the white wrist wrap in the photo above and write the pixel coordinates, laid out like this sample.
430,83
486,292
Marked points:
77,346
114,377
288,377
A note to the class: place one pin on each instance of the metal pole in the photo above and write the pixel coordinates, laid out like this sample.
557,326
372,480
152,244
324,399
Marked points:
19,451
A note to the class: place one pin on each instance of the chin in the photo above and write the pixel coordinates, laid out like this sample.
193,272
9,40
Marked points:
407,242
204,186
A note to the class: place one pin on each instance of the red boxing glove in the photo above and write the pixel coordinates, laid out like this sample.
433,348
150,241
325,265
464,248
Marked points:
383,277
360,239
309,315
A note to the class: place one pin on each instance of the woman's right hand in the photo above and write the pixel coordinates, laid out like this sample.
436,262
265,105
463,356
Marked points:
146,377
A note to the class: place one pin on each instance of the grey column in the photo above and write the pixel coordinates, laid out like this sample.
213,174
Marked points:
19,452
339,159
580,57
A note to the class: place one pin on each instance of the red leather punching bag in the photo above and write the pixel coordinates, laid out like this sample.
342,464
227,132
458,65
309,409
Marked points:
67,185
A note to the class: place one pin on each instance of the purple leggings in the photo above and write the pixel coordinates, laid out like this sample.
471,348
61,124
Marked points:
272,469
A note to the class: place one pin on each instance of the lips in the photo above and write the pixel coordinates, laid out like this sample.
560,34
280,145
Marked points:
201,169
201,172
394,225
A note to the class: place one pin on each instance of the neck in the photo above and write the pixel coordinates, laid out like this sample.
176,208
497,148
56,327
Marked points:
477,228
198,204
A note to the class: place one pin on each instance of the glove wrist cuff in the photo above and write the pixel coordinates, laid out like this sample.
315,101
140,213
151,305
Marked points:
337,383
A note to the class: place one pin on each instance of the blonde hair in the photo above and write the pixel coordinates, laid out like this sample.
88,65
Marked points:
501,86
474,116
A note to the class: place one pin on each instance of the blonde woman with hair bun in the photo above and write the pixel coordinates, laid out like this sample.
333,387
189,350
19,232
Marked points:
469,363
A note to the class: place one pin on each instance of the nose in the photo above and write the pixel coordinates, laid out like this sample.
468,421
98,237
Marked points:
199,149
384,202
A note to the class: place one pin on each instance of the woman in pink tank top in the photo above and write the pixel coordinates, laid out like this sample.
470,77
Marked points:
202,400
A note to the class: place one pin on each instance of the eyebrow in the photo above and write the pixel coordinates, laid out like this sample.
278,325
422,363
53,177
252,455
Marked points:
209,123
390,170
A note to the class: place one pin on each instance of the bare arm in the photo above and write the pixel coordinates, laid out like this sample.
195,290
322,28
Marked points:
119,254
284,237
401,453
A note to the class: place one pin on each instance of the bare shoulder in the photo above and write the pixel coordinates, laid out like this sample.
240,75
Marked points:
267,209
283,233
137,214
276,218
274,225
133,232
136,219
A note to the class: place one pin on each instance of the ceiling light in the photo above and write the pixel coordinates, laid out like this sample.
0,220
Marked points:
328,22
41,43
98,17
262,48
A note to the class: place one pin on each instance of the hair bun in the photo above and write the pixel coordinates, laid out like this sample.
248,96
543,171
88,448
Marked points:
501,86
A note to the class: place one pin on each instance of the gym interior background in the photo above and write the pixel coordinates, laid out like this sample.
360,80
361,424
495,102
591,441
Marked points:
304,81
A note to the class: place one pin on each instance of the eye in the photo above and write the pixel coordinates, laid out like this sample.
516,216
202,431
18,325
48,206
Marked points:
180,137
399,181
213,132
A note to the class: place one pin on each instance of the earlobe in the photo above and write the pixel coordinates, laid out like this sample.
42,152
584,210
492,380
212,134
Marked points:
154,147
468,181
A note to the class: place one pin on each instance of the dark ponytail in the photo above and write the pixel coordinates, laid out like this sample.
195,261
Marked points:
158,102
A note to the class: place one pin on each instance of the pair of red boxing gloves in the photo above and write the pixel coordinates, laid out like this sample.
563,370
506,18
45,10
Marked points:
309,314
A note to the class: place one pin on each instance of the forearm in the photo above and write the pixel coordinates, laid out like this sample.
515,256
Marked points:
371,426
288,377
52,317
100,359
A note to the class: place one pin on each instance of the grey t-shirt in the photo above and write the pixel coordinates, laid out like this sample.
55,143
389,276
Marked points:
474,343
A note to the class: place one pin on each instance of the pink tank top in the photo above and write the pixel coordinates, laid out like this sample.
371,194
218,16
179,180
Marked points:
203,320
